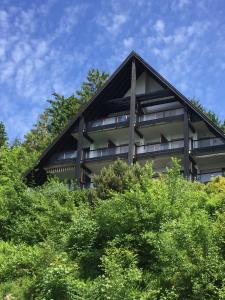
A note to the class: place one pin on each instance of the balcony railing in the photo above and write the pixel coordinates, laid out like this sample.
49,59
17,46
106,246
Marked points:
206,177
161,114
108,121
104,152
208,142
176,144
64,155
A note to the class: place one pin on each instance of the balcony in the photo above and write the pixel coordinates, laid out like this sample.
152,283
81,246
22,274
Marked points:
206,177
160,147
105,123
63,156
208,142
105,152
161,115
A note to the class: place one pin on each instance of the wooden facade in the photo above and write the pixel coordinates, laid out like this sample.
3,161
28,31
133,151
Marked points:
136,116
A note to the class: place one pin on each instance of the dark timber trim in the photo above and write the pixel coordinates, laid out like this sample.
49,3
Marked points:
138,133
192,160
111,144
191,127
186,143
86,169
132,113
87,137
79,150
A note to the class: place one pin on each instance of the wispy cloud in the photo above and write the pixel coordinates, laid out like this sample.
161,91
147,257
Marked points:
113,22
70,18
159,26
128,42
33,65
180,4
49,47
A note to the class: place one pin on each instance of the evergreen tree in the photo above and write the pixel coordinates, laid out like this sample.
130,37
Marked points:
61,109
16,143
94,81
3,135
39,136
209,113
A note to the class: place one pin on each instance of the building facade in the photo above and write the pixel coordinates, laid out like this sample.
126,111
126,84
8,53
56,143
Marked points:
137,116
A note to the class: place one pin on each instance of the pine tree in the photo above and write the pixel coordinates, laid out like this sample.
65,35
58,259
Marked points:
95,80
3,135
61,109
209,113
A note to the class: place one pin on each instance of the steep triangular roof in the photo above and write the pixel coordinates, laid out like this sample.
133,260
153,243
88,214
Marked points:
143,66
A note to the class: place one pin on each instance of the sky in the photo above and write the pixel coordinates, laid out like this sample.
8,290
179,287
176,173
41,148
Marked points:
48,46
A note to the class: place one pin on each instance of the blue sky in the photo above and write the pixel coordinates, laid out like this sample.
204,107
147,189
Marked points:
48,46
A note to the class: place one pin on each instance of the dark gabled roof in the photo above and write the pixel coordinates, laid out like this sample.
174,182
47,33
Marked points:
122,70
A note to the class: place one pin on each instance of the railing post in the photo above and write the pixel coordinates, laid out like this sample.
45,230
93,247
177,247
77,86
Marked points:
132,113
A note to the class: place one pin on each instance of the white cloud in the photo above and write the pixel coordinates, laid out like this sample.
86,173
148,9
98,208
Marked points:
112,22
179,4
70,18
182,3
4,21
159,26
128,42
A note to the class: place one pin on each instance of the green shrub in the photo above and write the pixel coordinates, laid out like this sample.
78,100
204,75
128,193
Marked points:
151,238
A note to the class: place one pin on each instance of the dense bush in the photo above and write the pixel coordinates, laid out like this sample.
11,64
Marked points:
133,237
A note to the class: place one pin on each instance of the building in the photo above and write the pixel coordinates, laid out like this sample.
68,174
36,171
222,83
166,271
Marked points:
136,116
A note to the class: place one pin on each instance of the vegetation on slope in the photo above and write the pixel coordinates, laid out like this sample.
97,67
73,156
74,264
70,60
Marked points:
132,237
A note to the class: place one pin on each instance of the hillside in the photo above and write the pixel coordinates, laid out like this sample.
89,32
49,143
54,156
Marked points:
132,237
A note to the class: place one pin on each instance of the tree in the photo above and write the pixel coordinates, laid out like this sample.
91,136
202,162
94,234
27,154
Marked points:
60,110
119,177
94,81
3,135
39,136
209,113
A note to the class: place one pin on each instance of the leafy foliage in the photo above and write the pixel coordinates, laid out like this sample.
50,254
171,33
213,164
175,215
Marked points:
143,238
